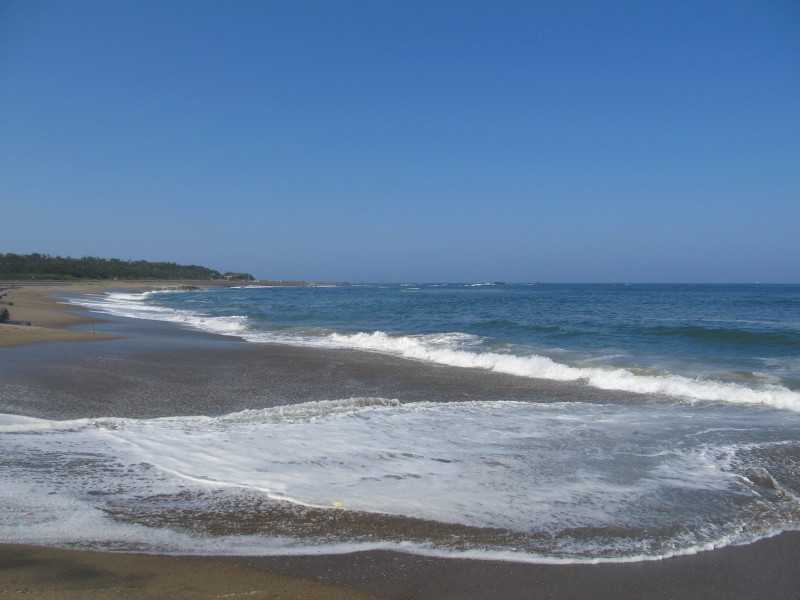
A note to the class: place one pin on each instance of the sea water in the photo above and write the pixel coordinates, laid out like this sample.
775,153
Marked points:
701,450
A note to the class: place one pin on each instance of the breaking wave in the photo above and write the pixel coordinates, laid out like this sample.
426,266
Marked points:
457,350
531,482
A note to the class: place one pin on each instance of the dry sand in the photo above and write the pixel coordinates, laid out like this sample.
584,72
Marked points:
51,319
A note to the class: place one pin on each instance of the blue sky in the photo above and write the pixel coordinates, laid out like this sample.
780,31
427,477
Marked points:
583,141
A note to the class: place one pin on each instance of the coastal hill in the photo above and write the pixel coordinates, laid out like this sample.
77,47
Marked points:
42,266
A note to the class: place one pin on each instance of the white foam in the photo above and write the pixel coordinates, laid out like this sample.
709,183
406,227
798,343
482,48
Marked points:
542,367
520,466
133,306
459,350
258,287
20,424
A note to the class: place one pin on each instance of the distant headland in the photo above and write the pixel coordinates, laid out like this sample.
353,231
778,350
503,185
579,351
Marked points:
25,267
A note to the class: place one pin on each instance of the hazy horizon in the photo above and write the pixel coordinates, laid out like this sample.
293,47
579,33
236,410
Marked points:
455,142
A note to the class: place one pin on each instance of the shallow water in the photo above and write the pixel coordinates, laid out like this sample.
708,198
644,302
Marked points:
556,480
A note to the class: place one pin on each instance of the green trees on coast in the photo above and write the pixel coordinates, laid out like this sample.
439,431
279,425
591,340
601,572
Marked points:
43,266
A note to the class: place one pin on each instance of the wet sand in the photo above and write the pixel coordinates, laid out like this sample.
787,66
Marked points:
156,369
19,335
766,570
53,574
161,374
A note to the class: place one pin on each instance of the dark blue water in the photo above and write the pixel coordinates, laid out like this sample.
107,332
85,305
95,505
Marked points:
748,333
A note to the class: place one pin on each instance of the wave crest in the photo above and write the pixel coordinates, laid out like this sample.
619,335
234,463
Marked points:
731,336
459,350
543,367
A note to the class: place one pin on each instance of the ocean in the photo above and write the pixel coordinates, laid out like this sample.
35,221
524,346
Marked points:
692,441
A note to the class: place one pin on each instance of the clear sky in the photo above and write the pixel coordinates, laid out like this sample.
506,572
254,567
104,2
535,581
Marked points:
397,141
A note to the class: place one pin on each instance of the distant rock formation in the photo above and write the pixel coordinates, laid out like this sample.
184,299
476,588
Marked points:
238,276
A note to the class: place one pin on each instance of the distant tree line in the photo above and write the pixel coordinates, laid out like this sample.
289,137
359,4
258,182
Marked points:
43,266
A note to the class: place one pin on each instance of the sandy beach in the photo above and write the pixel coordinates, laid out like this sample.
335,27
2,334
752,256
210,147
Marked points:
131,363
31,572
764,570
51,320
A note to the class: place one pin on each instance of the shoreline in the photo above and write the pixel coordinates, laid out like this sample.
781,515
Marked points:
57,574
141,358
54,321
763,569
